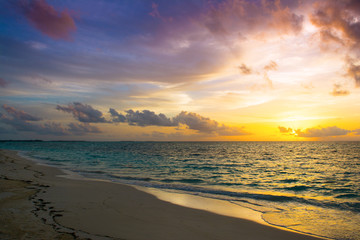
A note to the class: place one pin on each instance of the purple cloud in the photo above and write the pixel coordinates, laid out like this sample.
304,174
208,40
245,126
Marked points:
24,122
338,17
87,114
117,117
156,14
57,25
353,70
3,83
206,125
147,118
83,112
48,128
20,115
193,121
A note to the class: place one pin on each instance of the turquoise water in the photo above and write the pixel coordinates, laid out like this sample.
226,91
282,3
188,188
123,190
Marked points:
312,187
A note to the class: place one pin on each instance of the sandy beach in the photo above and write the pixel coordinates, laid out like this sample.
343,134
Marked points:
36,202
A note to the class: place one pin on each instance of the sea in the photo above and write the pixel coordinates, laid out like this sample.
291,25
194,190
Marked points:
309,187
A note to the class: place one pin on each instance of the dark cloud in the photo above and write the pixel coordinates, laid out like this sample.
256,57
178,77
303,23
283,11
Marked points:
338,20
24,122
3,83
315,132
193,121
48,128
82,128
337,91
353,71
206,125
57,25
245,69
86,114
271,66
147,118
83,112
117,117
19,115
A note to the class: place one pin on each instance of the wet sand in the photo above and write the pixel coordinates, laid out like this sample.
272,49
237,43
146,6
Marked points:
37,203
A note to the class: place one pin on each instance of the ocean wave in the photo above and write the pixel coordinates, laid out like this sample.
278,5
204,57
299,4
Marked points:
229,195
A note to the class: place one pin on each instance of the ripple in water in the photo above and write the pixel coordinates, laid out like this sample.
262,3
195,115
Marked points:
311,187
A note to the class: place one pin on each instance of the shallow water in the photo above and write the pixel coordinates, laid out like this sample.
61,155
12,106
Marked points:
312,187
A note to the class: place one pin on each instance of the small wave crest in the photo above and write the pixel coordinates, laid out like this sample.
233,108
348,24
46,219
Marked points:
184,185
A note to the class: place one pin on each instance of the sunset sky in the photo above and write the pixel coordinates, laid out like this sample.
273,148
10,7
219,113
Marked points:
233,70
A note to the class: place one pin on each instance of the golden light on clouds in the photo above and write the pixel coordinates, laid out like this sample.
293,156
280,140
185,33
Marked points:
250,66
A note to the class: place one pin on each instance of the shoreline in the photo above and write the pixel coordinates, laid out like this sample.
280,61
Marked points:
63,208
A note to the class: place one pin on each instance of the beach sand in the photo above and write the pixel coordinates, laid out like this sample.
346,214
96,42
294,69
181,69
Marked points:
37,203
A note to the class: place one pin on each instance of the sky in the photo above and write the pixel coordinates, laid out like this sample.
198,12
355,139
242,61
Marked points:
180,70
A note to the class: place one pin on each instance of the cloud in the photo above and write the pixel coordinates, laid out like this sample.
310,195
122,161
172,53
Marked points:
272,66
191,120
284,20
353,71
206,125
245,69
268,81
285,130
37,45
356,131
24,122
337,91
315,132
250,16
20,115
338,20
48,128
147,118
184,48
55,24
3,83
86,114
82,128
322,132
83,112
117,117
156,14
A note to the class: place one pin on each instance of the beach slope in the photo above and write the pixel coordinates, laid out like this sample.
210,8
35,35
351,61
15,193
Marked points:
36,202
